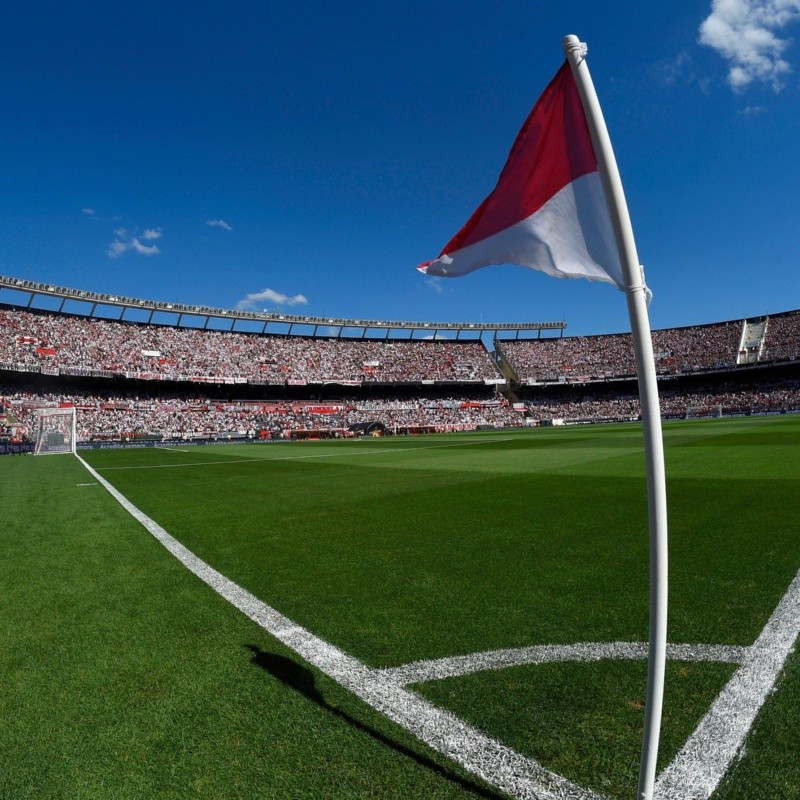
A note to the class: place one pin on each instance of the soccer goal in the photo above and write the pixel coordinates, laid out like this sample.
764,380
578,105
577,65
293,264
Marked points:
55,431
703,411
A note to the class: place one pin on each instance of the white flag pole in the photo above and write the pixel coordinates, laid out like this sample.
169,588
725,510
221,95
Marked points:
635,293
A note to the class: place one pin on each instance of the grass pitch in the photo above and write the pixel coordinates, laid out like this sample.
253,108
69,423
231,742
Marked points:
124,676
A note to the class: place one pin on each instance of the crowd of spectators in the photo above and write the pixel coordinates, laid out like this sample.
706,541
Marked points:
573,358
60,344
782,342
57,344
677,351
697,349
109,416
765,397
588,358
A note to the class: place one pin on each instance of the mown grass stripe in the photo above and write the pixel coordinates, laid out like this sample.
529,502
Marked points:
305,456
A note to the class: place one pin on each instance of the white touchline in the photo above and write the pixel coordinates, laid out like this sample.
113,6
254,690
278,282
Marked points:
693,775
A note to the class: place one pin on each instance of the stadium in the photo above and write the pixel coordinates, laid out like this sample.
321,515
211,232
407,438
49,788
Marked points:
204,379
285,518
383,609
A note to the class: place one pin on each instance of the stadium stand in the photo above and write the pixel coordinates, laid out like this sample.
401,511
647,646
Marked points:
87,346
586,358
133,381
128,418
782,337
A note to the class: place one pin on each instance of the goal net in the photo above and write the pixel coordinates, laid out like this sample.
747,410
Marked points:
55,431
703,411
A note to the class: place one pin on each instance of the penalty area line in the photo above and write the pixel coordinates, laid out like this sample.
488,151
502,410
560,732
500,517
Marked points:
171,449
483,756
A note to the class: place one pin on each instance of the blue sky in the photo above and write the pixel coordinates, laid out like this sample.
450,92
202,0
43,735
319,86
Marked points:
306,156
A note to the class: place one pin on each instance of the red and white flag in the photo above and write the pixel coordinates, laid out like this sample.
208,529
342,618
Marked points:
548,210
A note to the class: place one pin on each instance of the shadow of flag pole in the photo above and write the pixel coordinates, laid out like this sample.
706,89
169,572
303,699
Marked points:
636,294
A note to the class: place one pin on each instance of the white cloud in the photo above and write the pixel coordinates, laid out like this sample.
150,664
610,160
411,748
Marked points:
90,212
143,249
270,296
743,32
122,243
218,223
752,111
152,233
117,248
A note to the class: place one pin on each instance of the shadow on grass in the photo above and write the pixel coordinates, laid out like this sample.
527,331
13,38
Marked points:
302,680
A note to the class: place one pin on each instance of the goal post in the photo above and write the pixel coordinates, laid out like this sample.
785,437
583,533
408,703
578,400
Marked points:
55,431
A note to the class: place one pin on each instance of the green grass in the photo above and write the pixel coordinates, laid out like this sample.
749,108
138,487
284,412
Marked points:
583,721
124,676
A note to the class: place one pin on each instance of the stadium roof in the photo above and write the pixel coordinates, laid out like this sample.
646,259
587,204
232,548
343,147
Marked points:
41,296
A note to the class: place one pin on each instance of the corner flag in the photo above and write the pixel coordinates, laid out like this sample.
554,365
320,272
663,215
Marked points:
547,211
559,207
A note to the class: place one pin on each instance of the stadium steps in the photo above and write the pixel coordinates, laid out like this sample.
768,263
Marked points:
751,344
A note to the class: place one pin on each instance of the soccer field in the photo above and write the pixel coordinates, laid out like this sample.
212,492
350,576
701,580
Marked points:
419,617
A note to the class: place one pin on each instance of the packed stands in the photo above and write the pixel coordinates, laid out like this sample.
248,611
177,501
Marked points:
734,398
132,381
126,418
586,358
701,348
55,343
783,337
577,358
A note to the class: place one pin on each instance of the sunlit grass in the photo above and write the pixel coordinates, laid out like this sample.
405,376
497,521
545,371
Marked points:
126,677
